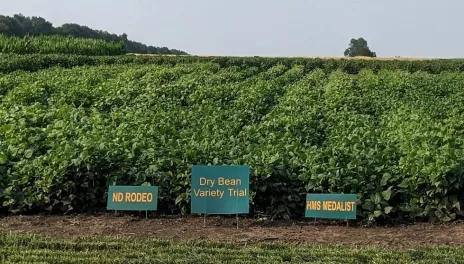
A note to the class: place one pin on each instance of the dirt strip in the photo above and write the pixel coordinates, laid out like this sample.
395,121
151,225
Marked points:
224,229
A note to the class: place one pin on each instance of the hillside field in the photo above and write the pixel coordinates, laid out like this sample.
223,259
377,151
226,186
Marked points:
389,131
393,137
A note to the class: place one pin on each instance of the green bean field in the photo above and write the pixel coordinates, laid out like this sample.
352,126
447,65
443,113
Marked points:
77,116
393,137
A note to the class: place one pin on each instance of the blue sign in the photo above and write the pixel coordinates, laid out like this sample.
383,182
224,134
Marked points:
220,190
331,206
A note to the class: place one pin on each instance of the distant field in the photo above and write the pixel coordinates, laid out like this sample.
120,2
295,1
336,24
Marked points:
306,57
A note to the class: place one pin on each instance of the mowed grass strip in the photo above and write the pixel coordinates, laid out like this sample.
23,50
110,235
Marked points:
41,249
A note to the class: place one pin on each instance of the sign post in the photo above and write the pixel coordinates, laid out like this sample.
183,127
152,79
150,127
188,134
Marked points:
220,190
331,206
133,198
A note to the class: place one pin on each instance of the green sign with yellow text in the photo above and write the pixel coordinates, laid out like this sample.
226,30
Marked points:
133,198
331,206
220,190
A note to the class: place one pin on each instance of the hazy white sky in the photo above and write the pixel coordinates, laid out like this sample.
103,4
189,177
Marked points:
407,28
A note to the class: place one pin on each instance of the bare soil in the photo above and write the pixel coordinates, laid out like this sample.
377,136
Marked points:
225,229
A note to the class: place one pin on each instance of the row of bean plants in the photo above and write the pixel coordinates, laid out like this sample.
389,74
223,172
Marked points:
34,62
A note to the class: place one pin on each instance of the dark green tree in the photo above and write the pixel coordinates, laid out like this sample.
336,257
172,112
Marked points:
10,26
40,26
359,47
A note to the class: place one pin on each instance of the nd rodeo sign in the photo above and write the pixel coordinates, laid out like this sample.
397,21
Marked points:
331,206
133,198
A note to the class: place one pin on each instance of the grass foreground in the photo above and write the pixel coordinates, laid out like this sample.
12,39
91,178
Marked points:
42,249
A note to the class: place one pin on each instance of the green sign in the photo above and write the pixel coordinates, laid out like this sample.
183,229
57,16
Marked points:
331,206
220,190
133,198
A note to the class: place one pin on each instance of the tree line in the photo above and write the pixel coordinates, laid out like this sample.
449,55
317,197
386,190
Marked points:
20,25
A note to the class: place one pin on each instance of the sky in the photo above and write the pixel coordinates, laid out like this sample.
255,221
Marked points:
281,28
